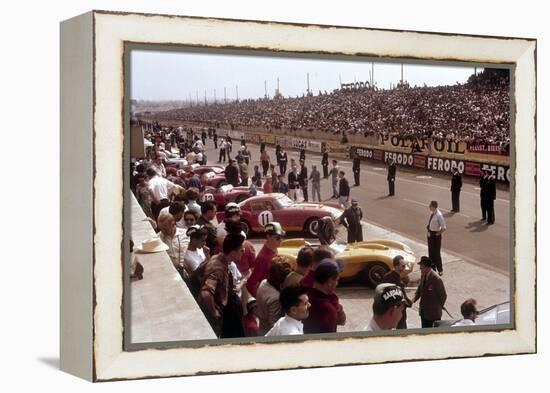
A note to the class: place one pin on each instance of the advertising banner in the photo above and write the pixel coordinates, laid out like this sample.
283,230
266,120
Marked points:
433,163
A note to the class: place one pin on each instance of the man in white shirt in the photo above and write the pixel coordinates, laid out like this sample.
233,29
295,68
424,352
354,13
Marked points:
159,191
436,226
176,240
295,305
468,309
387,307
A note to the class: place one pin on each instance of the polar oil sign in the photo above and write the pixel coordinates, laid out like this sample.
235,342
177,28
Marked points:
444,164
440,145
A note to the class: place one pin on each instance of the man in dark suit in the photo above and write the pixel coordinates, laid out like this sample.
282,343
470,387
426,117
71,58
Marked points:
351,219
391,176
483,193
293,183
356,167
232,173
431,293
456,186
343,190
491,195
324,163
302,179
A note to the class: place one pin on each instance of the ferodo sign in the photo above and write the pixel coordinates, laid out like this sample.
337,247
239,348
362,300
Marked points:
444,164
402,159
431,163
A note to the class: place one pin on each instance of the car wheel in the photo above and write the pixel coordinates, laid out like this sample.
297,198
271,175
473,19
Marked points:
311,226
374,274
246,227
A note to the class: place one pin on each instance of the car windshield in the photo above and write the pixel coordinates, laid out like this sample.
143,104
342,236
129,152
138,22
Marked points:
284,201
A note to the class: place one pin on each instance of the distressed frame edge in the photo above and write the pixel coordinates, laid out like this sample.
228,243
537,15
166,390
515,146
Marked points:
76,208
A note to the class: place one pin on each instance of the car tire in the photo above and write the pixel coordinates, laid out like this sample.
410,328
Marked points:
246,227
374,274
311,226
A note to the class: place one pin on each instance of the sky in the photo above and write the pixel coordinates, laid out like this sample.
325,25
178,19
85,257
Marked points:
170,75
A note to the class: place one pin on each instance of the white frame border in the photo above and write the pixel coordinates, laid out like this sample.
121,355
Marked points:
111,30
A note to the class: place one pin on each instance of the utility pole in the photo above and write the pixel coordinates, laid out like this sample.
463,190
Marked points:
214,96
401,73
372,73
224,96
265,89
205,98
237,91
340,79
308,91
197,98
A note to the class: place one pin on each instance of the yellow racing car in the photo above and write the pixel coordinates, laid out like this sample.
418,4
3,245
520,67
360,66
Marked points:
366,262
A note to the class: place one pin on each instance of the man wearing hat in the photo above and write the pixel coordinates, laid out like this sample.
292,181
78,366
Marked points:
325,313
483,193
334,178
431,293
351,219
456,186
293,183
491,194
232,213
391,176
274,235
387,307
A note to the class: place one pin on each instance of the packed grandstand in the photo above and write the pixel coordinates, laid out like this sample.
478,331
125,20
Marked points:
477,111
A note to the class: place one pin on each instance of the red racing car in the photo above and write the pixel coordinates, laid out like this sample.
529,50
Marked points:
225,194
259,210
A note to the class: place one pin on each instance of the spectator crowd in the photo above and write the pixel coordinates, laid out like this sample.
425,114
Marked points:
475,112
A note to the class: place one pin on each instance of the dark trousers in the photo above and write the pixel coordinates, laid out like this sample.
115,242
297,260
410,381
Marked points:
490,211
265,167
325,170
356,176
282,168
483,204
155,209
222,155
304,191
355,233
434,250
215,143
403,321
391,186
426,323
455,199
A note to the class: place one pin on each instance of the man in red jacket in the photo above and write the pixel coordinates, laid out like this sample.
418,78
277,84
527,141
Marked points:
325,312
431,293
274,235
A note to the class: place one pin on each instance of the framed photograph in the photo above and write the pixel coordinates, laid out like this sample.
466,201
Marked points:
237,191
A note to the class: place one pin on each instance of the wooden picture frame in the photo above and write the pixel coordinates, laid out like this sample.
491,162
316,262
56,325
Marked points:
93,255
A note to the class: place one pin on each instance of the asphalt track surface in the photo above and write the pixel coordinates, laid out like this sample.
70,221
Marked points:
407,212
